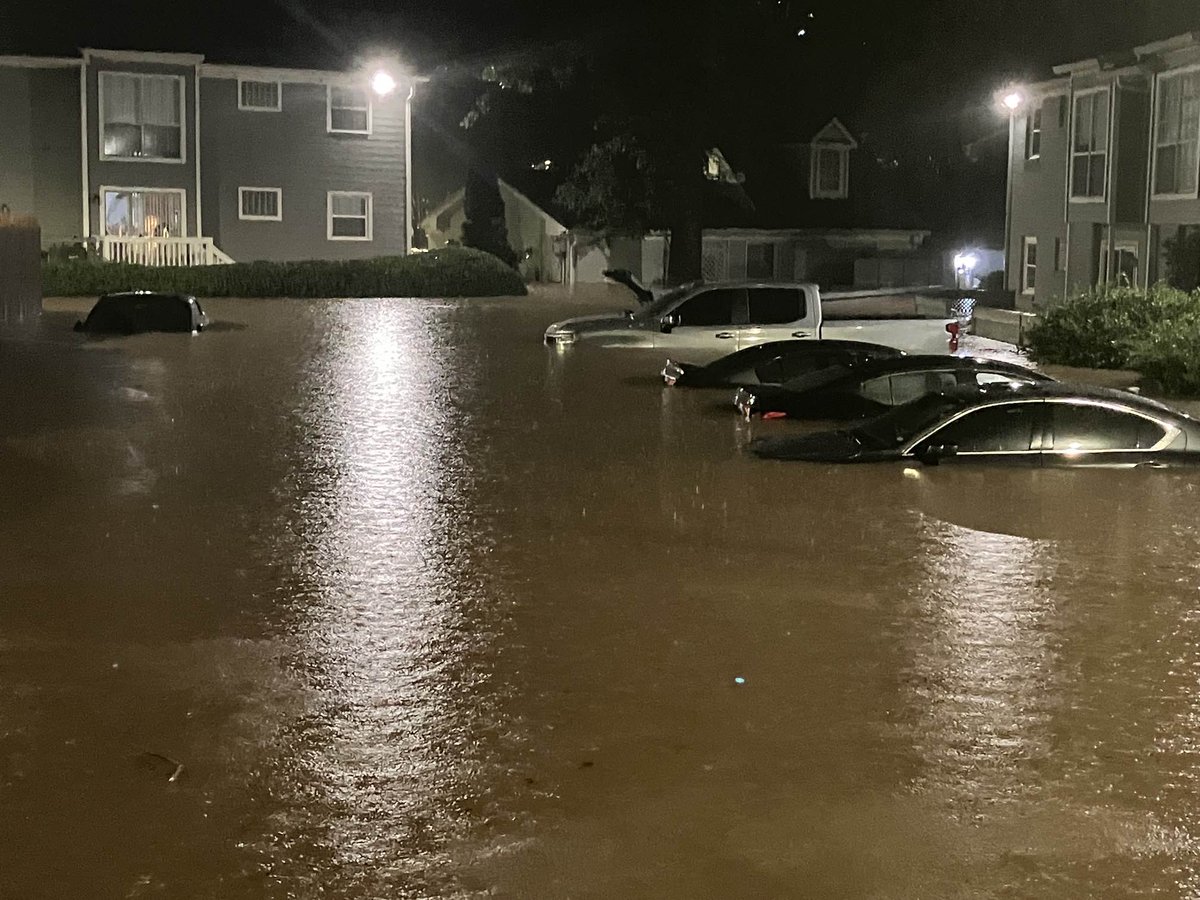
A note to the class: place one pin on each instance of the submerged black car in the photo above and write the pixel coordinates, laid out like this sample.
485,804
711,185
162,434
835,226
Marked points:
135,312
875,387
1046,424
774,363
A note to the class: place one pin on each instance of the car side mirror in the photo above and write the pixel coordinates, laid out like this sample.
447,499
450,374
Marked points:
669,322
932,454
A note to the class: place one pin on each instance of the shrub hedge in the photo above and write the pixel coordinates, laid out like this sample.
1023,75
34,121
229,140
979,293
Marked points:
1155,331
448,272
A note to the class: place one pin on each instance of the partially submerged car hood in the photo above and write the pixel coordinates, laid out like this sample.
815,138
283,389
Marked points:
582,325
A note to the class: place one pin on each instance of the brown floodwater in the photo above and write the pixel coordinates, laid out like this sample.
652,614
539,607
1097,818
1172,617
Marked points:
427,610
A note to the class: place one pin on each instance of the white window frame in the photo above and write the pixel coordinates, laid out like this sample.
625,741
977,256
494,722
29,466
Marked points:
329,216
1033,126
121,189
278,107
1026,287
814,172
1108,141
183,134
329,110
1161,77
278,192
1106,248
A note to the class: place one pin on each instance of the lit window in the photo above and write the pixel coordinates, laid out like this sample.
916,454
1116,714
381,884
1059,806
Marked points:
260,96
1177,135
349,110
349,216
141,117
1033,134
829,177
1029,266
260,204
1089,146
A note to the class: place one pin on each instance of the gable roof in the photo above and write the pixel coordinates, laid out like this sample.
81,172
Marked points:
835,133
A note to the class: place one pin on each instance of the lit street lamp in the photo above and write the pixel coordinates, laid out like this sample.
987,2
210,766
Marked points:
382,83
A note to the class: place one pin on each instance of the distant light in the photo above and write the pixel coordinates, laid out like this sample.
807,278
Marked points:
544,166
1013,101
739,680
802,32
966,261
382,83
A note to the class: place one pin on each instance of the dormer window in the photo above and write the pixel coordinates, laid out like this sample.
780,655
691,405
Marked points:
829,163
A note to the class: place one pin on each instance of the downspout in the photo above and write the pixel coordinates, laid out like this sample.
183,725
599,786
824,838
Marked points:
408,192
1150,172
1067,182
83,151
196,139
1008,204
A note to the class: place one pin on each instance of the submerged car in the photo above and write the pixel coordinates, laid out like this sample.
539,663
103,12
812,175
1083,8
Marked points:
774,363
134,312
1045,424
875,387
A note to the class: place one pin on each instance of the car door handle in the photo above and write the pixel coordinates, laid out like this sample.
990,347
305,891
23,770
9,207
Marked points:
801,334
726,335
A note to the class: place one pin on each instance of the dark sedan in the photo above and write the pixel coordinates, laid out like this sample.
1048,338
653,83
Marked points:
774,363
875,387
134,312
1046,424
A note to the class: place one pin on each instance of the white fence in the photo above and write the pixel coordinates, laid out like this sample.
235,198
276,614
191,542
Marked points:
162,251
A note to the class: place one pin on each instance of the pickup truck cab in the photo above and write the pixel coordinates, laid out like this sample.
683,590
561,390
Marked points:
728,316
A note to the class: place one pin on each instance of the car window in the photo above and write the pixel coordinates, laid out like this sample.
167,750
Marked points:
908,386
708,309
994,429
797,364
982,378
877,389
1086,428
776,306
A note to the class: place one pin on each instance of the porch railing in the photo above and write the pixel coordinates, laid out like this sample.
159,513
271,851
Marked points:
162,251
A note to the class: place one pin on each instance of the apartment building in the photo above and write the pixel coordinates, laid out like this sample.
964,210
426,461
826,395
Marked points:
1103,170
166,159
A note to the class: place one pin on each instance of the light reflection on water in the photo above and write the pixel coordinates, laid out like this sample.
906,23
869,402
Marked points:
383,583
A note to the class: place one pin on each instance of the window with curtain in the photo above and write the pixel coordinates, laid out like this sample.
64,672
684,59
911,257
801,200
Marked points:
1177,135
141,116
1089,147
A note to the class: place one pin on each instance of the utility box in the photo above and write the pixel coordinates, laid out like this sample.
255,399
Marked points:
20,269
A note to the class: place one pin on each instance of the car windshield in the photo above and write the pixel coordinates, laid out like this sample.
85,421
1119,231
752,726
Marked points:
905,422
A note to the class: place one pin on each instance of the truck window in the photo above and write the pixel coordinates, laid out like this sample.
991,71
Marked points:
776,306
708,309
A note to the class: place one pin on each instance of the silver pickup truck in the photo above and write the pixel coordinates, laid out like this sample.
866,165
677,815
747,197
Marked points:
733,315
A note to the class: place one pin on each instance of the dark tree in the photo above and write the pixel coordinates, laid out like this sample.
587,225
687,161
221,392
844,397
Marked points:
484,227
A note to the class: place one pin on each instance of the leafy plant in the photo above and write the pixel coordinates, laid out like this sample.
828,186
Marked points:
1099,327
448,272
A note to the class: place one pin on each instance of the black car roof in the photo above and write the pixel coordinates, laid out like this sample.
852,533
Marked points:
1052,390
938,361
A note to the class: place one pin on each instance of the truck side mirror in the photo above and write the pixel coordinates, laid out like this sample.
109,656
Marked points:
669,322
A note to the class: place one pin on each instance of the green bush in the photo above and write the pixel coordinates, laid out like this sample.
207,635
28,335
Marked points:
1168,352
1099,328
449,272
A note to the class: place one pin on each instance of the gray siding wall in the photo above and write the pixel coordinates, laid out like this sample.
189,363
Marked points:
1039,189
40,170
133,173
292,150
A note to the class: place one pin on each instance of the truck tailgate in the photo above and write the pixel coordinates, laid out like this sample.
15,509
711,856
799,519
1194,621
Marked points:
909,335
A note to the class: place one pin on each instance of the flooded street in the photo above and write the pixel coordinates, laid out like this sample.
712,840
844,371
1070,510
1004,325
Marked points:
427,610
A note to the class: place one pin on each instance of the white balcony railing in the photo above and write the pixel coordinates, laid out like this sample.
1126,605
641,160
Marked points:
162,251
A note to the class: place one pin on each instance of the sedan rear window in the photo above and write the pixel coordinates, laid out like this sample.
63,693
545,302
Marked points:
1088,428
